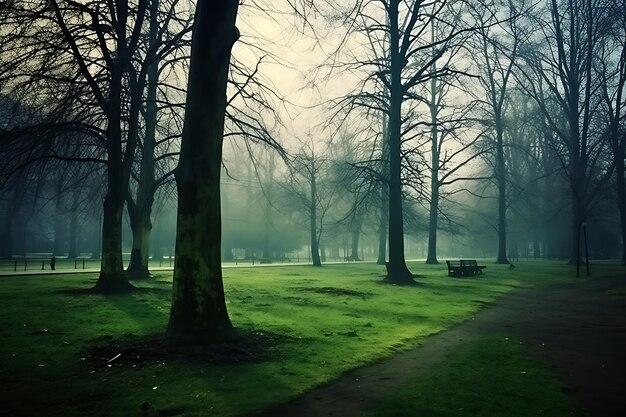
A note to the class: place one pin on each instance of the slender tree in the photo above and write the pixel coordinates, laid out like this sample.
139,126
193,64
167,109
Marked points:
498,51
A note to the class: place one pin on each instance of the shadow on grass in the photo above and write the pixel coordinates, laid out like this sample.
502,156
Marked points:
154,350
92,291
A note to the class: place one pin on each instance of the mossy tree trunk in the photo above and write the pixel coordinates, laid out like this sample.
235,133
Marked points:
198,313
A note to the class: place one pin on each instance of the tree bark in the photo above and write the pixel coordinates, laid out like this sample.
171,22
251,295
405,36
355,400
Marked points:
59,220
73,237
382,228
198,313
141,227
397,271
315,250
60,231
384,194
355,235
431,258
501,179
112,278
141,223
621,199
6,243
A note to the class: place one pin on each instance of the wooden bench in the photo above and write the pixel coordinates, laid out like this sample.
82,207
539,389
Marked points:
464,267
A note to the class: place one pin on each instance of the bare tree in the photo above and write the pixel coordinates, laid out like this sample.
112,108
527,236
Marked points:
402,30
610,65
562,60
309,186
166,46
498,48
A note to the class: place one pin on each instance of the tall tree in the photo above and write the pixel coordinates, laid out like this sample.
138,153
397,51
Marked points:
401,29
610,63
165,47
562,59
198,313
312,191
77,57
498,50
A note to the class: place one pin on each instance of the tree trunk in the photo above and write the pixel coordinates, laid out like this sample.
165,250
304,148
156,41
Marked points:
431,258
60,231
6,243
355,235
267,231
315,250
73,238
397,271
621,199
382,230
501,179
536,245
141,227
112,278
198,313
59,221
141,224
384,196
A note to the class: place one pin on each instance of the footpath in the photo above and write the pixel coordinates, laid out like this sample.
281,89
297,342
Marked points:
577,330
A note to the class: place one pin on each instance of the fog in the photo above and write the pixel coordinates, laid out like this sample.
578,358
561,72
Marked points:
502,132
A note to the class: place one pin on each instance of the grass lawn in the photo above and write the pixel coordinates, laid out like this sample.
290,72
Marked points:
492,377
328,320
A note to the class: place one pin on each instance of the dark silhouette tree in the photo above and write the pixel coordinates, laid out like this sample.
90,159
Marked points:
198,313
562,60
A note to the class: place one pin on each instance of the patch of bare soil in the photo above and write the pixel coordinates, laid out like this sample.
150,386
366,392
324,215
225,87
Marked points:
157,350
579,331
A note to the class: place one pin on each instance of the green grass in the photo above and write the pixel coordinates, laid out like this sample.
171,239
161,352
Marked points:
490,377
334,319
618,291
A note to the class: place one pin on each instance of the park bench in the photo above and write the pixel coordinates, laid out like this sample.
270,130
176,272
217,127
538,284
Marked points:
464,267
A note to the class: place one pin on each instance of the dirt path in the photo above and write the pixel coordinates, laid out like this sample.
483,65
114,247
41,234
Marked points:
579,331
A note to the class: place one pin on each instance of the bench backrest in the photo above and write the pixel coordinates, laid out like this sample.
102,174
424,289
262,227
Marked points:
453,263
469,262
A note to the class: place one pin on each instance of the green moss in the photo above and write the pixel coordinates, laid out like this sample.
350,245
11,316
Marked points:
334,318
